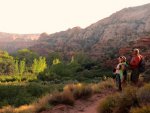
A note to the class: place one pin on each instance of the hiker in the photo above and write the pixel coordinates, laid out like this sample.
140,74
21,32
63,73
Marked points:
124,69
120,72
136,65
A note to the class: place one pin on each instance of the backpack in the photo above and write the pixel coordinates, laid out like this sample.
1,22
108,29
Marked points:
142,65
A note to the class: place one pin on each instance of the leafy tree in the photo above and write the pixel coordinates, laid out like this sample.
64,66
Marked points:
16,67
22,67
53,56
6,63
39,65
26,54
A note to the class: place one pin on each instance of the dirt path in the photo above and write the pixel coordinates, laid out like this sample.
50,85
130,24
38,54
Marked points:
81,106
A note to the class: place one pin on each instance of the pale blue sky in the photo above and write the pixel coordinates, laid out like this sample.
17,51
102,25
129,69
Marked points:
37,16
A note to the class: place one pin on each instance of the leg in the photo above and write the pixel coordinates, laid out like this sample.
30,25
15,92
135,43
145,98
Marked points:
135,76
118,82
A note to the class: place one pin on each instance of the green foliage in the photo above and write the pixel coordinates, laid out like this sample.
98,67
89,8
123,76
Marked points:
26,54
53,56
39,65
56,61
19,94
21,67
6,63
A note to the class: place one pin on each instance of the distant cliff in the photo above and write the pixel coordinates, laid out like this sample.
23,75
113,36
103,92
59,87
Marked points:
12,42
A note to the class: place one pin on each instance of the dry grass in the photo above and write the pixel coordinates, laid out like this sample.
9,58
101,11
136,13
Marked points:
143,94
108,104
104,85
65,97
119,102
143,109
79,91
36,107
68,96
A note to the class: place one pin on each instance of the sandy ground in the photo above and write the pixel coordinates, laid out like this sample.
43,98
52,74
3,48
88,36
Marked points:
81,106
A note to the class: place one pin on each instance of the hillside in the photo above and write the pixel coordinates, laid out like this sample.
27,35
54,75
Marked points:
12,42
103,39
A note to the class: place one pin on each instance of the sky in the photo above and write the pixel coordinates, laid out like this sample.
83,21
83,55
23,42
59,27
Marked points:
38,16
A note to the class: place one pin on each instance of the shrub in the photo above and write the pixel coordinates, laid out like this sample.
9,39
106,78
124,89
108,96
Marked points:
82,91
108,84
79,90
143,94
127,100
107,104
42,104
65,97
143,109
7,109
119,103
17,94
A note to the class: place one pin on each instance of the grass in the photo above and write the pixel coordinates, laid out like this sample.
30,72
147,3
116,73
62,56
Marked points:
65,97
104,85
107,104
143,94
143,109
17,94
56,96
131,100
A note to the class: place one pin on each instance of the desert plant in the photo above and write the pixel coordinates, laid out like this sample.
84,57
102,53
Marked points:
143,109
127,100
42,104
108,104
143,94
7,109
104,85
65,97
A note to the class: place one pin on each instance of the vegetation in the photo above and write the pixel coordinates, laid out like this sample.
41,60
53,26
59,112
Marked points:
130,100
17,94
70,93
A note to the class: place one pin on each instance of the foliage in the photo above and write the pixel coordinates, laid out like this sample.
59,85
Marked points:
107,104
131,100
143,94
143,109
65,97
17,94
6,63
26,54
39,65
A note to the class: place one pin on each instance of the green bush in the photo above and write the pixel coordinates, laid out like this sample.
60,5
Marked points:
17,94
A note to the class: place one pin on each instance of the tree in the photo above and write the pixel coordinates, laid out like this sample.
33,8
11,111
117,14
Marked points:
21,68
39,65
26,54
7,66
16,67
53,56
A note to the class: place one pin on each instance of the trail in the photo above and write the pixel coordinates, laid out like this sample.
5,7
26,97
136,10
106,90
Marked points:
81,106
